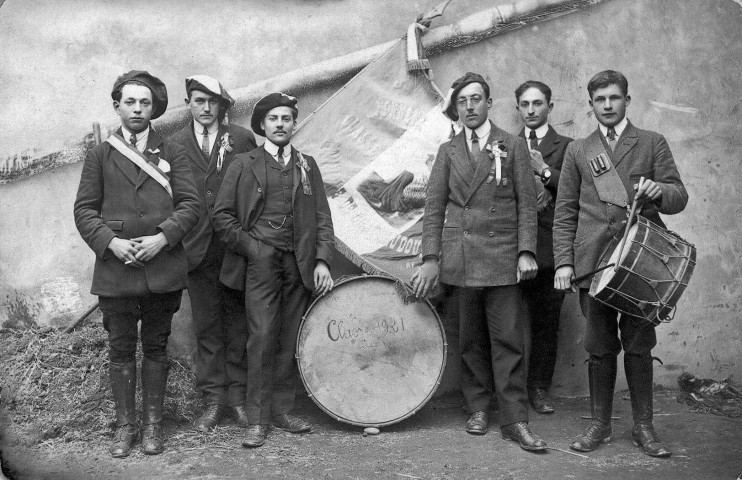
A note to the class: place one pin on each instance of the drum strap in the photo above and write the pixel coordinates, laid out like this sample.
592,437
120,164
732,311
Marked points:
607,182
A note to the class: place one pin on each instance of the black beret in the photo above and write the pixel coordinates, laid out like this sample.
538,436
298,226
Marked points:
449,105
206,84
158,89
268,103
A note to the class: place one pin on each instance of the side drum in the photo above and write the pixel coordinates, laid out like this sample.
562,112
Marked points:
653,271
368,358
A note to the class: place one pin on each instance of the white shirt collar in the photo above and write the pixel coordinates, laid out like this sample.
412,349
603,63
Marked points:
142,137
618,128
540,131
272,148
483,132
198,129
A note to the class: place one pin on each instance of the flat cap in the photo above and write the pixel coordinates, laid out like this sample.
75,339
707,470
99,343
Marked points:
268,103
155,85
206,84
449,105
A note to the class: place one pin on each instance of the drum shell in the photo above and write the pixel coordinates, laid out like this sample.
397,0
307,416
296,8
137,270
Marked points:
651,277
366,356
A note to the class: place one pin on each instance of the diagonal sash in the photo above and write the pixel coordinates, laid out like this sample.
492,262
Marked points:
607,181
140,161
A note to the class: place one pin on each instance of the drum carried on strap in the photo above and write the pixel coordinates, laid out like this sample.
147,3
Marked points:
653,271
368,358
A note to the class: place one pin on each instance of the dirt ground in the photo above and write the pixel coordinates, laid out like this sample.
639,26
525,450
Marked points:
429,445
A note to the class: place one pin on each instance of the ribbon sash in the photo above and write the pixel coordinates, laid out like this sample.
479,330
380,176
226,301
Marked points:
607,181
140,161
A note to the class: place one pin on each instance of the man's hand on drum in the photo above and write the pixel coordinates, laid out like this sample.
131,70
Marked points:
527,267
322,279
425,278
647,191
563,278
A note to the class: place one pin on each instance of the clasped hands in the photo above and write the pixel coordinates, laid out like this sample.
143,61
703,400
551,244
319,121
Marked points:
135,252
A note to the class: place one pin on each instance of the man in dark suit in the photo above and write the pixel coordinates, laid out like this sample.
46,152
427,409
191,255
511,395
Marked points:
135,204
218,311
480,226
273,216
544,302
590,210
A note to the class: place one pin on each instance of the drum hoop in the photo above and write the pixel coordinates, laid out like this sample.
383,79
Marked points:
427,398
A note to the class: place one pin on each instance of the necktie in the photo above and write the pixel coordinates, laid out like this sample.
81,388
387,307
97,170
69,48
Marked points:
279,156
533,140
612,138
205,144
474,148
133,140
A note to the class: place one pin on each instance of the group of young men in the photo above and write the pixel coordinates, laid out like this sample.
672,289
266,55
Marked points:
248,231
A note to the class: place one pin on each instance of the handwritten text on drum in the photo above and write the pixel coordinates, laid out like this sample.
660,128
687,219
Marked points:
337,330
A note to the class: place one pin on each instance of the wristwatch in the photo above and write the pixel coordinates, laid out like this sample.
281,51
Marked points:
546,175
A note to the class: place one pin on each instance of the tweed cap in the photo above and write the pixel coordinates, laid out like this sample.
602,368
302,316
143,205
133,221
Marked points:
211,86
155,85
449,105
268,103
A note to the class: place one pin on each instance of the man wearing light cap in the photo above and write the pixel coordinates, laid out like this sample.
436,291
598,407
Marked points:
135,204
218,311
480,227
273,216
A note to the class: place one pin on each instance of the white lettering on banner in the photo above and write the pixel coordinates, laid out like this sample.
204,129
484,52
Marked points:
403,244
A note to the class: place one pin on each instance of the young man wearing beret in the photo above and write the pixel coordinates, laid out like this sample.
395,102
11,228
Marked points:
135,204
479,235
273,216
218,311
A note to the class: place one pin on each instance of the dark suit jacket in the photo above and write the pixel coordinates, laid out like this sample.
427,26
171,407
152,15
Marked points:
552,148
583,224
208,181
114,200
240,203
486,226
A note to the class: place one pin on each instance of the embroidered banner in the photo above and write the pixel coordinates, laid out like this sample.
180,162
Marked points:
375,141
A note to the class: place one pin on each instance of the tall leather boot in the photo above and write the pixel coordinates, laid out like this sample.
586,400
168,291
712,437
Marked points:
124,385
639,376
602,381
154,381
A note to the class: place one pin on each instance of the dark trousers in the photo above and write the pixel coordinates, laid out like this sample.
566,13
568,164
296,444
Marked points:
494,313
221,332
120,318
275,299
637,335
544,305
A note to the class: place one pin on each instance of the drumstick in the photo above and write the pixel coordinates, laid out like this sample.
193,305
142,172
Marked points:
590,274
628,226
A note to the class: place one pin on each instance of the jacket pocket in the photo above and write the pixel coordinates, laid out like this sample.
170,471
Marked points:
115,225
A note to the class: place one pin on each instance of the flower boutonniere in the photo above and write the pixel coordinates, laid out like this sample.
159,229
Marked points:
496,154
226,145
163,165
304,168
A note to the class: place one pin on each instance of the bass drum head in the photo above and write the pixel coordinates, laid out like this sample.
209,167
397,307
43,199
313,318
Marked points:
367,358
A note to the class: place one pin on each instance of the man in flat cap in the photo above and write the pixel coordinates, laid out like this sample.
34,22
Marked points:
135,204
218,311
273,216
479,235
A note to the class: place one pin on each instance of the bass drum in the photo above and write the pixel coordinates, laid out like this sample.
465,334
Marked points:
368,358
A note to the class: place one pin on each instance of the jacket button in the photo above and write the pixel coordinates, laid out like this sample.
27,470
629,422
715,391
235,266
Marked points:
141,214
466,207
285,173
211,208
208,192
492,209
466,233
492,234
260,190
611,222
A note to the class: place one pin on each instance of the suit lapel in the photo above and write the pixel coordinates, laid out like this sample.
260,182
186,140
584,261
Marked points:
460,158
198,156
296,173
258,166
215,151
594,146
484,163
625,143
154,142
126,166
549,143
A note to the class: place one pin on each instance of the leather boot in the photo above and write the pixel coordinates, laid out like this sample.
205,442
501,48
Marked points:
124,385
602,382
639,376
154,381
